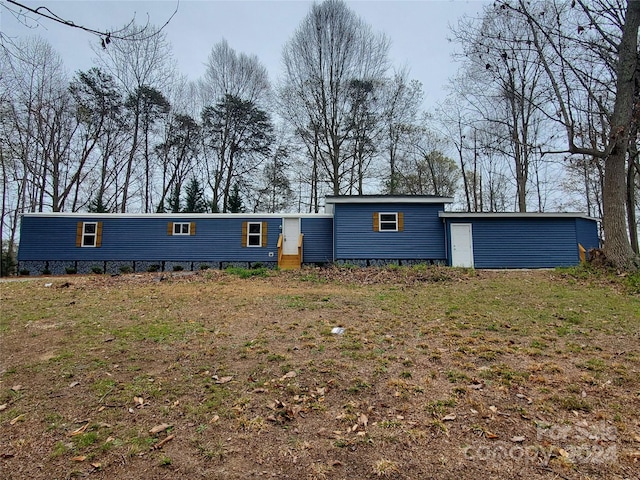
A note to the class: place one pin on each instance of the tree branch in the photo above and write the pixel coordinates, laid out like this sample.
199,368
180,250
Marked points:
105,36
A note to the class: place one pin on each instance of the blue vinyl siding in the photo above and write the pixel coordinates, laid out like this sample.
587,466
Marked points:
523,242
126,238
422,237
318,239
587,233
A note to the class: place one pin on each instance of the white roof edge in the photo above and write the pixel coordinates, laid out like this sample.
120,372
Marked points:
514,215
177,215
385,199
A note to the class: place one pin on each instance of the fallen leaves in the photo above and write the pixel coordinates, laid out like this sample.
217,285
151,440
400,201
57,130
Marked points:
363,420
524,397
79,430
159,428
17,419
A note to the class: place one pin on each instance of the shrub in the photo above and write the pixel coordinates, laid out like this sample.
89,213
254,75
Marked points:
70,270
178,268
204,266
96,269
125,269
153,268
46,271
24,272
7,262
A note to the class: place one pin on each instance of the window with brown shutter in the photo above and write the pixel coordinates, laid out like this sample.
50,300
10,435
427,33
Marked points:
388,221
254,234
182,228
89,234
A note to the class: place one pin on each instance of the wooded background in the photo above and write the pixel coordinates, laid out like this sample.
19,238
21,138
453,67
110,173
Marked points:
542,116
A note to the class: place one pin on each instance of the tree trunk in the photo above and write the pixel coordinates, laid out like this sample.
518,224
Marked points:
132,154
633,169
617,247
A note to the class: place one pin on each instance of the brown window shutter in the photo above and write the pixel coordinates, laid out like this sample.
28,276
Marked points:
99,234
400,221
170,228
192,228
79,228
244,234
376,221
264,234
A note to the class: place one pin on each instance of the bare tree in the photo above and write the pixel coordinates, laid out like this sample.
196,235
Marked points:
176,158
503,84
330,50
401,104
143,65
238,136
236,74
579,46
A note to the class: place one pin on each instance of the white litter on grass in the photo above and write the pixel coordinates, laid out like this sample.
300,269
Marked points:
337,330
48,284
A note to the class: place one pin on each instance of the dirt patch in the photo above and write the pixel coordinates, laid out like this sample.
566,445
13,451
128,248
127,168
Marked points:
438,373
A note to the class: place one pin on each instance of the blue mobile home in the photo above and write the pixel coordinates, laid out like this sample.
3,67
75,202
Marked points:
363,230
57,242
369,230
517,240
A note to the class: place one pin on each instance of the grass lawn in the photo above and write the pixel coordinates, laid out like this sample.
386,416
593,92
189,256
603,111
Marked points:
439,373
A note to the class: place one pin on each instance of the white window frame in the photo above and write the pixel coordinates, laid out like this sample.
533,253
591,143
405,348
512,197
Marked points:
251,234
86,234
178,228
386,222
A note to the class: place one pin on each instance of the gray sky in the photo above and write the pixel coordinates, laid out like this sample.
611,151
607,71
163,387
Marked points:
418,30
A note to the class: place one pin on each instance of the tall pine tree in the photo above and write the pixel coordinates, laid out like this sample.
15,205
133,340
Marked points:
194,201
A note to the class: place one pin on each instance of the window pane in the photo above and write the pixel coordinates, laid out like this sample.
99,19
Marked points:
254,240
89,228
89,240
388,217
254,227
185,228
388,226
176,228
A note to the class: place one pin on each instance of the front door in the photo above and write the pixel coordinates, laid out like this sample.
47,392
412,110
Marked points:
461,245
290,234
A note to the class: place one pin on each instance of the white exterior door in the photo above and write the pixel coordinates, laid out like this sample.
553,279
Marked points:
290,234
461,245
